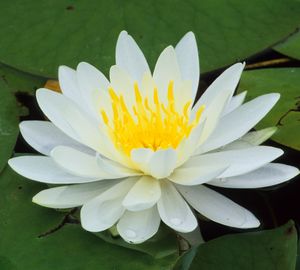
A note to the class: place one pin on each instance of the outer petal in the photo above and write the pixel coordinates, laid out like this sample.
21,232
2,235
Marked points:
159,164
68,84
203,173
69,118
103,211
235,124
137,227
44,169
43,136
71,196
250,139
235,102
130,57
188,60
240,161
93,86
174,211
85,165
212,114
268,175
143,195
114,168
218,208
227,81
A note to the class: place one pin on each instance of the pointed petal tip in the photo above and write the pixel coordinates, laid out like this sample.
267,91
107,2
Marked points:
272,97
250,222
84,65
270,131
35,199
190,35
21,125
10,162
239,65
123,33
63,68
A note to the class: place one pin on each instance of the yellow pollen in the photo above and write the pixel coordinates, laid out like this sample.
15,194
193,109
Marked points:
158,127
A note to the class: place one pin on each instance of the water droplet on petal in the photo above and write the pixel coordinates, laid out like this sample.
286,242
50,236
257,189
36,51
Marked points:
176,221
130,233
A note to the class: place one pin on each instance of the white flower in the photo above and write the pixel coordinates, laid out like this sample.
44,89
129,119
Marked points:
137,152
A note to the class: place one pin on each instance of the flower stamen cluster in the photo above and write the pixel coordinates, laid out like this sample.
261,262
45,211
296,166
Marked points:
156,126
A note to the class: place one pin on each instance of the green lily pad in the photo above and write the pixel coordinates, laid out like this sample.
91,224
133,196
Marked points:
8,124
20,82
45,34
290,47
163,244
285,115
265,250
33,237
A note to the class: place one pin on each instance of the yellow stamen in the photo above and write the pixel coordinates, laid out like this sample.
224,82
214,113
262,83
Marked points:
158,127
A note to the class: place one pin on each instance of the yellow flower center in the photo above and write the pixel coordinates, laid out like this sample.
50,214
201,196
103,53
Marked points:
159,127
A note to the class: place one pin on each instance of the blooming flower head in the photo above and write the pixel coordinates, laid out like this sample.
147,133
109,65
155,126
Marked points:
134,150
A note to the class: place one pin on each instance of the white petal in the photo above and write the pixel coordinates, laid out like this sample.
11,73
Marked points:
71,196
143,195
103,211
173,209
69,118
203,173
114,168
235,124
268,175
93,86
212,115
187,146
141,156
226,82
166,70
251,139
123,85
68,84
188,60
218,208
159,164
162,163
83,164
137,227
44,169
240,161
235,102
130,57
43,136
260,136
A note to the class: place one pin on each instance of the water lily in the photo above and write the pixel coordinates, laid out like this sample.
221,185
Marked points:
134,150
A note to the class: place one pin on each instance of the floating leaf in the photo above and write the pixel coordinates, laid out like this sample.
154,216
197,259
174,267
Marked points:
20,82
45,34
271,249
8,124
33,237
290,47
163,244
285,115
